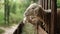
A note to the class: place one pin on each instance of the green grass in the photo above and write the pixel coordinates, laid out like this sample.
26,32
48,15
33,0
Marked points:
1,31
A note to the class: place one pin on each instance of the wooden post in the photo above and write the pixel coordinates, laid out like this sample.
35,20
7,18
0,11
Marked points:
53,16
40,2
50,4
46,4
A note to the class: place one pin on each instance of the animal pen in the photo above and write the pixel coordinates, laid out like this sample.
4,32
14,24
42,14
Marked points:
52,5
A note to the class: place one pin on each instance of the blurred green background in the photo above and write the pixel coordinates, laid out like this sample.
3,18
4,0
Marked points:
16,10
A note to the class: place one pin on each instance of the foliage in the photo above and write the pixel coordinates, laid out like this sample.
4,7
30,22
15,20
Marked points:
17,8
58,3
1,17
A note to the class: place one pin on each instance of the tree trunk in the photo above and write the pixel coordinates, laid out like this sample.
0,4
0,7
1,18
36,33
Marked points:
7,11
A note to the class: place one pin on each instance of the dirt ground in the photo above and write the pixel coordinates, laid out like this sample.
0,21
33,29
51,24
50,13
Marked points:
9,30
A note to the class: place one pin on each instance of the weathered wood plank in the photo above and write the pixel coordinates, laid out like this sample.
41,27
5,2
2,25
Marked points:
53,16
46,4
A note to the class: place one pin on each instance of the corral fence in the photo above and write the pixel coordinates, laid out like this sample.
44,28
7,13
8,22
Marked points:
52,5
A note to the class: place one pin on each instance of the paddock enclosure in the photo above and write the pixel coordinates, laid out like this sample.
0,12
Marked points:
52,5
48,5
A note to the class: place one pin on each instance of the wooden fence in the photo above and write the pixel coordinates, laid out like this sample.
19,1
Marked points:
50,4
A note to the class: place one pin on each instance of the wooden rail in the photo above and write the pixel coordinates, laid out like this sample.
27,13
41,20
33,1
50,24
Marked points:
50,4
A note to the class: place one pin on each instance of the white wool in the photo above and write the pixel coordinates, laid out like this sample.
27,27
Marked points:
34,5
49,10
24,20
